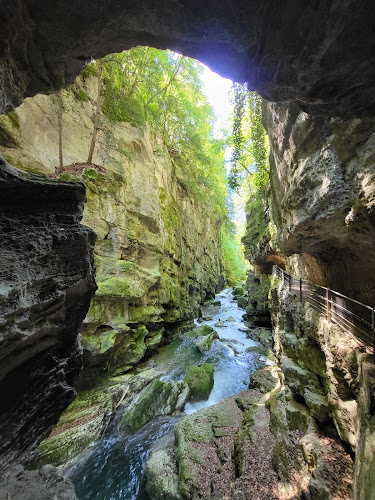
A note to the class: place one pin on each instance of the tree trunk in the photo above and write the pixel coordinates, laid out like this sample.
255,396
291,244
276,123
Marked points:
96,116
60,128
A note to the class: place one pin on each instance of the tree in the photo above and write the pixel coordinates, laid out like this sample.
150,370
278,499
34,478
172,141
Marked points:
60,131
96,115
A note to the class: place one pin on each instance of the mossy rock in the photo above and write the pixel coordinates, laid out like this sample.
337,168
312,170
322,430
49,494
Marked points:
238,291
200,380
202,331
263,380
242,302
129,348
205,343
158,398
161,476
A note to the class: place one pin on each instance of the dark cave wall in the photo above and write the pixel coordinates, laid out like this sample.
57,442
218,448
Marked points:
320,54
47,280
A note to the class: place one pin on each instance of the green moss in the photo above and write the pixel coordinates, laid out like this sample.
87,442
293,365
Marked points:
99,344
90,174
128,350
7,140
70,177
158,398
145,314
13,117
162,195
120,287
16,163
201,331
200,379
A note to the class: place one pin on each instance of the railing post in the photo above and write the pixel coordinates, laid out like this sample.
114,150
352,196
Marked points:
373,331
290,282
300,290
328,306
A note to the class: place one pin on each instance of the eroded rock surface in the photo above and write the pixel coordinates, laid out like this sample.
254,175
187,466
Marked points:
323,190
320,55
47,280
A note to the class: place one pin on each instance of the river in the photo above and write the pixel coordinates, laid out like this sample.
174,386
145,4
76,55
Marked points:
114,468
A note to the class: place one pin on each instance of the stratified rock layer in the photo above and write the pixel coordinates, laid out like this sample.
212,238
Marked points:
156,254
323,193
47,280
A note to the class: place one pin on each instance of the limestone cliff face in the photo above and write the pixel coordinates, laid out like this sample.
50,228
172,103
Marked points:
323,190
157,254
328,379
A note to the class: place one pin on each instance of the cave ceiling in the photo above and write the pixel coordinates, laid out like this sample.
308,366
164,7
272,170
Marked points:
320,54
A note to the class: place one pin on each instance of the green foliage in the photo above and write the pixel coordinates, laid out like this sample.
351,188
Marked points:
90,70
250,146
234,262
145,85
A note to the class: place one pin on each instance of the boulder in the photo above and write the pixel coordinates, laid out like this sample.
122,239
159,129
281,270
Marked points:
264,380
220,324
200,380
205,343
201,331
242,302
158,398
238,291
162,476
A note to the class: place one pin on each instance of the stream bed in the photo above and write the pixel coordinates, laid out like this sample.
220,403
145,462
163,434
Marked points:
113,469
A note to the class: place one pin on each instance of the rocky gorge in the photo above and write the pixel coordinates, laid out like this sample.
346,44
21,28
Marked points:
156,256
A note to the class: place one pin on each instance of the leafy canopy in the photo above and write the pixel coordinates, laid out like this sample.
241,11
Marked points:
164,89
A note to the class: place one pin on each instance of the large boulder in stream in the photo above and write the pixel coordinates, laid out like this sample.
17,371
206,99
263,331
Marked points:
202,331
158,398
200,380
205,343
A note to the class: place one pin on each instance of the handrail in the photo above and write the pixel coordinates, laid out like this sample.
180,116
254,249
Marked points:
354,317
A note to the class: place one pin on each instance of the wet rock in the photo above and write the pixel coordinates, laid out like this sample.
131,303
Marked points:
200,380
217,303
242,302
162,476
264,380
238,291
220,324
231,319
204,344
305,351
43,484
158,398
208,317
201,331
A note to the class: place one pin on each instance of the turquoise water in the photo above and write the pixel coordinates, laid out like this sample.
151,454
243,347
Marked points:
114,468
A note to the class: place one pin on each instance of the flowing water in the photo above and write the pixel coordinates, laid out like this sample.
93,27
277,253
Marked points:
114,468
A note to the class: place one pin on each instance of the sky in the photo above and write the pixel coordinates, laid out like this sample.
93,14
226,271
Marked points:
216,88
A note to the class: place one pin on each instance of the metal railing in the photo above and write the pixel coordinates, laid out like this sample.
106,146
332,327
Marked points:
354,318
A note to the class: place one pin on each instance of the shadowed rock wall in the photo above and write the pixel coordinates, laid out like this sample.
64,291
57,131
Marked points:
47,280
323,190
320,54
